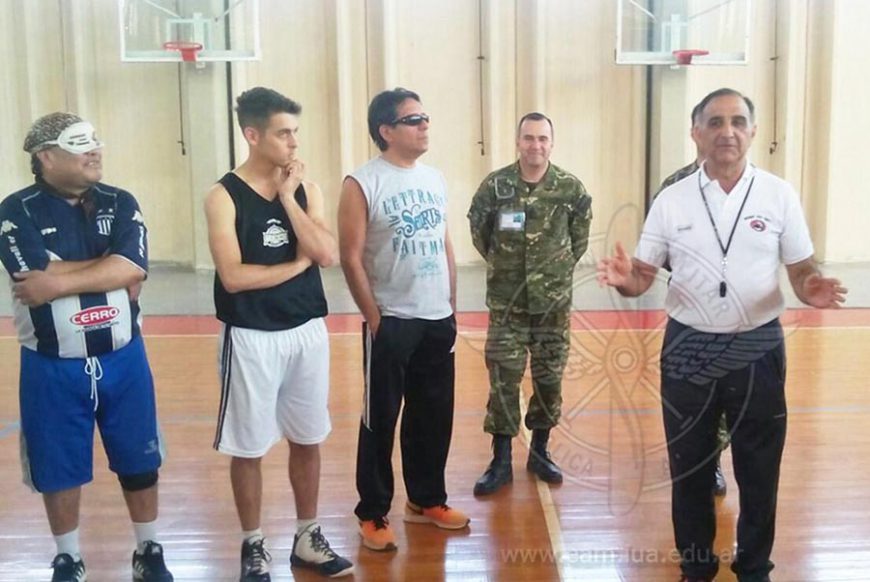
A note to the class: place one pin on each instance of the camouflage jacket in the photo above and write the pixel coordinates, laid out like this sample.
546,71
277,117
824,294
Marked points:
683,172
531,241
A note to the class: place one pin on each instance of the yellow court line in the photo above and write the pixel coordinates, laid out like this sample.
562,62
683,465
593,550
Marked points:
551,517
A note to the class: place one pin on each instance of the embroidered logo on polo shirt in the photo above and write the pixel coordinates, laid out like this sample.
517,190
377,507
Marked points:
275,235
7,226
757,222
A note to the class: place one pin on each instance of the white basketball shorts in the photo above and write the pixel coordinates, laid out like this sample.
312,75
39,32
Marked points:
274,384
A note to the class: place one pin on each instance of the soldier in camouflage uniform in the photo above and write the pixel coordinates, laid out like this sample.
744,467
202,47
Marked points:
690,169
720,487
530,221
683,172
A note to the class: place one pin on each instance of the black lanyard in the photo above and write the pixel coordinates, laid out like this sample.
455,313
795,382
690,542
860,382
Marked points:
723,288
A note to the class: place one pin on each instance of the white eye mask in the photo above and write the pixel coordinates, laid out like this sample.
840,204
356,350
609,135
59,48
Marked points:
78,138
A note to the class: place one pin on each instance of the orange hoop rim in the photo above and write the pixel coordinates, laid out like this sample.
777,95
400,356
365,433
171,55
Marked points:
684,56
187,49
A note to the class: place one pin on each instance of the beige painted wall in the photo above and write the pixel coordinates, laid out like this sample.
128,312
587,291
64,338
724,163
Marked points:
599,112
817,139
57,62
550,55
34,82
848,197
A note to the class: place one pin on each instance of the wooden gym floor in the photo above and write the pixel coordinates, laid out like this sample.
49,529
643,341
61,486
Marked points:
610,520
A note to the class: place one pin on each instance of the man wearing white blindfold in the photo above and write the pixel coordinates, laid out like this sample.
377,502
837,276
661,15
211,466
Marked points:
76,250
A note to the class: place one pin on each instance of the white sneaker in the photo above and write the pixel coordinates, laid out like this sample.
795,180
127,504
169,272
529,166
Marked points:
311,550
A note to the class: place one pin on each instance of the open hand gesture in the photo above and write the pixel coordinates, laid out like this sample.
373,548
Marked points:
824,292
616,270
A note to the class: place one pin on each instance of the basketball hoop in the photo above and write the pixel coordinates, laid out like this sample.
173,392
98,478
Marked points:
684,56
188,50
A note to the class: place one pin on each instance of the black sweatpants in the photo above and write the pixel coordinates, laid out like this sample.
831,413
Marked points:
410,359
743,375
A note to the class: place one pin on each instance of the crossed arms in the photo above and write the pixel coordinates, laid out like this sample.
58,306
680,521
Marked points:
316,243
65,278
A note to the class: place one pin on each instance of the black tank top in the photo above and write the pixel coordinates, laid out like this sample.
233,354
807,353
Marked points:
266,237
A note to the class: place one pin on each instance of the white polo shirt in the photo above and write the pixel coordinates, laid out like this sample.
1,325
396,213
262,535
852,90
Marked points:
770,230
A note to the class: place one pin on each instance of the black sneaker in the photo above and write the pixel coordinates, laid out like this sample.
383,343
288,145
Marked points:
255,561
720,486
149,565
68,570
311,550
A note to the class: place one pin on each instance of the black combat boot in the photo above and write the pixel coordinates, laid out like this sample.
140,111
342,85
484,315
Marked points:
540,462
499,471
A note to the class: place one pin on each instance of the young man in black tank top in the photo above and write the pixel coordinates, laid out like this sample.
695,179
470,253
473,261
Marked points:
268,239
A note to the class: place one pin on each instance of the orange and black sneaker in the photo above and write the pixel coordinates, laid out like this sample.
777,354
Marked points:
443,516
377,534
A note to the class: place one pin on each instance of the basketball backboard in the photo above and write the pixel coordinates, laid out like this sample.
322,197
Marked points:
153,30
660,32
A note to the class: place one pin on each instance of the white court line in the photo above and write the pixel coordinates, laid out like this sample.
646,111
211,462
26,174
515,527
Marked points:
483,333
551,518
662,329
185,335
178,335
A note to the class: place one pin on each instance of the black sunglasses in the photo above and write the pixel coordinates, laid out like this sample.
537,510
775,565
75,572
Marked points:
414,119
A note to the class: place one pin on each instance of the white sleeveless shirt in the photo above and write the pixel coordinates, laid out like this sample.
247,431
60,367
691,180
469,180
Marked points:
405,256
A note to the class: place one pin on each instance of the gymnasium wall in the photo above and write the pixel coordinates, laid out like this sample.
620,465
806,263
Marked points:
807,77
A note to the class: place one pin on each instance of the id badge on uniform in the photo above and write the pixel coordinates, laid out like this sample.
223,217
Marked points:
511,220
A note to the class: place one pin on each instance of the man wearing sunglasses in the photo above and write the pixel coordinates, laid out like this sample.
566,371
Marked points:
530,222
398,261
77,253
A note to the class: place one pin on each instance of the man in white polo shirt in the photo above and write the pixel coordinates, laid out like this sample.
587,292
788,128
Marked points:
720,486
725,231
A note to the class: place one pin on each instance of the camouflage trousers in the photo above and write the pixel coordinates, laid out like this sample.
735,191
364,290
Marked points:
510,337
